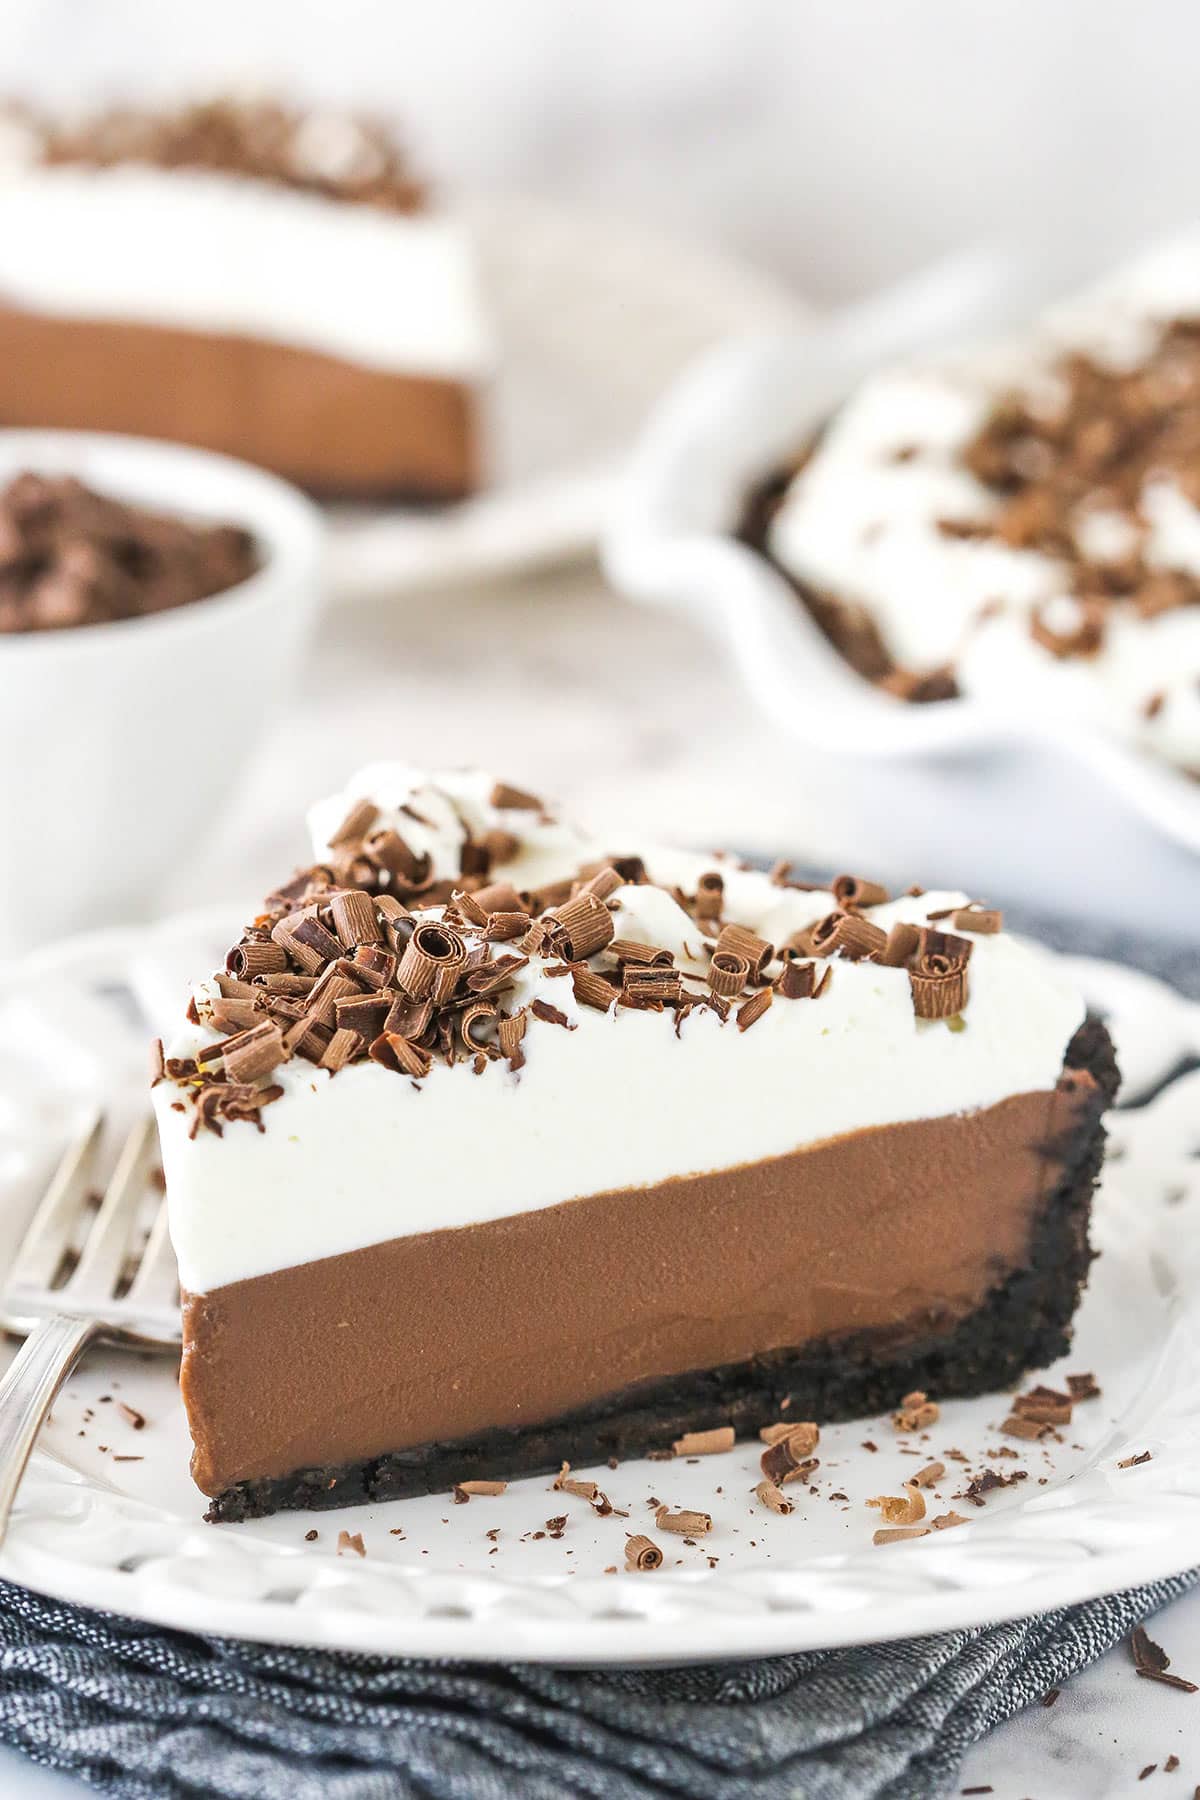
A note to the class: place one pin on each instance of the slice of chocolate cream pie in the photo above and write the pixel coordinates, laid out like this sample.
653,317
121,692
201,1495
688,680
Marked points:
495,1144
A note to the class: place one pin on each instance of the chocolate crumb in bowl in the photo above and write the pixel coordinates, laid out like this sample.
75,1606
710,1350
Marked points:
71,556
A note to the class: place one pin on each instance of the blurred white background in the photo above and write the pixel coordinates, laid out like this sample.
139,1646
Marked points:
838,144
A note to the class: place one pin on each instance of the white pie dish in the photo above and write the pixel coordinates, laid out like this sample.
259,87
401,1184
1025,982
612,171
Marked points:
1036,811
105,780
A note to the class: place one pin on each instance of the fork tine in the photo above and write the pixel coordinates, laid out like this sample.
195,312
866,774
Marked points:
47,1233
157,1280
103,1255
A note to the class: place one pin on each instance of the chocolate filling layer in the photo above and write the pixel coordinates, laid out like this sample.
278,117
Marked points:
335,427
949,1252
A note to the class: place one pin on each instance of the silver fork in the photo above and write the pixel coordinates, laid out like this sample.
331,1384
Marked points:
114,1291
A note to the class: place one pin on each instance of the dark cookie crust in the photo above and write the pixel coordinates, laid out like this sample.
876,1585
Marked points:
1023,1324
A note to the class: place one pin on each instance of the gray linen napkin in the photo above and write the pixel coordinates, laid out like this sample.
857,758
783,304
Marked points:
157,1715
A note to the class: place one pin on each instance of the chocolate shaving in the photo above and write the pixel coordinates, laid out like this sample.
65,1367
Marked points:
354,919
938,975
799,980
592,989
433,953
710,896
643,984
506,798
486,1489
253,1054
893,1534
642,955
929,1474
1134,1462
855,938
396,1052
338,1051
509,1035
351,1540
947,1520
916,1412
901,1509
581,927
753,1009
727,973
789,1458
683,1523
738,941
902,942
704,1443
1083,1387
642,1554
257,958
852,890
542,1009
977,918
773,1497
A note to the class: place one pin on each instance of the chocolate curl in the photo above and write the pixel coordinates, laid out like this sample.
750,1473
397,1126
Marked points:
704,1443
489,1490
256,958
710,895
789,1458
799,980
1078,631
581,927
503,926
644,984
320,1008
372,965
895,1509
804,1435
852,891
496,974
604,882
395,1052
550,894
929,1474
751,1010
683,1523
938,975
338,1051
592,989
987,921
773,1498
233,1015
498,897
354,919
285,982
467,908
915,1412
477,1022
727,973
356,824
642,1554
434,952
365,1013
409,1018
902,942
741,942
898,1534
253,1054
627,951
509,1034
506,798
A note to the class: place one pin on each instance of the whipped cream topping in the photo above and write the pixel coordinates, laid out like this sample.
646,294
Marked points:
860,521
613,1100
212,252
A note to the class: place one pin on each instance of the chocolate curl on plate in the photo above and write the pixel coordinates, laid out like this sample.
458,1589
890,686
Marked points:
642,1554
751,1010
592,989
773,1498
395,1052
354,919
985,920
254,1053
356,824
790,1457
710,895
938,975
434,953
581,927
902,942
741,942
897,1510
852,891
804,1434
683,1523
257,958
727,973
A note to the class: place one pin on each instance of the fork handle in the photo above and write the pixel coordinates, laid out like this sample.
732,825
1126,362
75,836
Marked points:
27,1393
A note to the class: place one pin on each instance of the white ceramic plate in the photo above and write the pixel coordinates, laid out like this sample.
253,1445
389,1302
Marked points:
96,1528
593,318
998,803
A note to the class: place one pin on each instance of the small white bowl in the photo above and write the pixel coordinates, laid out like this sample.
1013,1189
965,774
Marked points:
955,791
119,742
